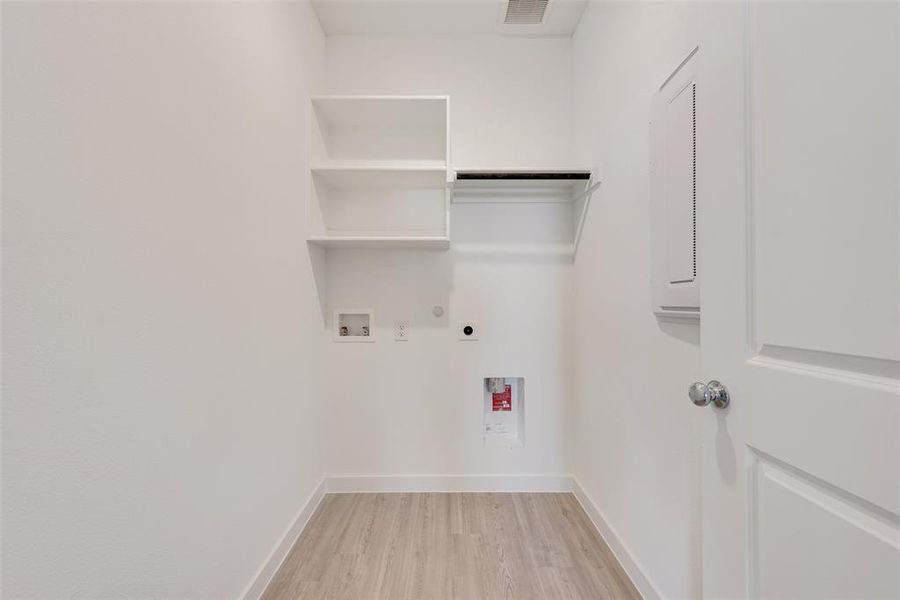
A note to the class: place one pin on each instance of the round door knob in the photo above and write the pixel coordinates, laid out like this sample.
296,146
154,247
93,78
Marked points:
702,394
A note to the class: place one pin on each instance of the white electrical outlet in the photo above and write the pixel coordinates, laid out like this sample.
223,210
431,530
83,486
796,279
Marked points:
401,331
468,331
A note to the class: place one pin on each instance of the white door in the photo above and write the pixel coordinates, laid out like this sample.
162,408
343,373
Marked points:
799,221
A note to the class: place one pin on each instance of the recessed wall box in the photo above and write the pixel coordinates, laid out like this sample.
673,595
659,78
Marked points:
504,411
354,325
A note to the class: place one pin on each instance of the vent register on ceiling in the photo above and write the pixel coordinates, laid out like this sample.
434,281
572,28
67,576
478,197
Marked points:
525,12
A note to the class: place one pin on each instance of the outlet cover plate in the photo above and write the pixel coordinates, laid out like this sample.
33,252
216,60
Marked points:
401,331
468,337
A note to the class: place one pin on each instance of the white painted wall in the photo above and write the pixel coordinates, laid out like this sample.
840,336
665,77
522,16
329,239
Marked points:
163,406
511,100
414,408
635,445
161,381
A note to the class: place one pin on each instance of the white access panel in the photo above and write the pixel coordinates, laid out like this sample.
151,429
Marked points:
678,174
673,190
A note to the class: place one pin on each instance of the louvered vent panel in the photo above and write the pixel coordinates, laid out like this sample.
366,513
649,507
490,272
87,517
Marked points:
525,12
694,168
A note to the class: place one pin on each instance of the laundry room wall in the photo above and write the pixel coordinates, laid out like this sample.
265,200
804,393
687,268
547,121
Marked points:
415,407
162,374
635,447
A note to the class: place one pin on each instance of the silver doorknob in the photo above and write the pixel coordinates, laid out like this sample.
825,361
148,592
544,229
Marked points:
702,394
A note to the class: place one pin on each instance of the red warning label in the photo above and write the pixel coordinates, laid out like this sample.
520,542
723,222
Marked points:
503,400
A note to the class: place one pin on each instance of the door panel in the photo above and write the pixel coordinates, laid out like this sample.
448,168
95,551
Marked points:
799,211
804,525
825,137
842,430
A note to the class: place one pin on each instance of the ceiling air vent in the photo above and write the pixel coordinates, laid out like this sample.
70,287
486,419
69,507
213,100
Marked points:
525,12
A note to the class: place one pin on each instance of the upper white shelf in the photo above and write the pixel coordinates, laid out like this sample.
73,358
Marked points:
569,189
401,242
520,185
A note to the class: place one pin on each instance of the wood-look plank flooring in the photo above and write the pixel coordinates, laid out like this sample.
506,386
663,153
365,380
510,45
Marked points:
450,545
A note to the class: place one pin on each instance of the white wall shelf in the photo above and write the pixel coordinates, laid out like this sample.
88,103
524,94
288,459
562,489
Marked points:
571,189
520,185
379,173
382,241
375,175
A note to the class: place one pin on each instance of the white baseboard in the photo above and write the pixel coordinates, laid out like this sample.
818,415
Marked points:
272,564
448,483
632,568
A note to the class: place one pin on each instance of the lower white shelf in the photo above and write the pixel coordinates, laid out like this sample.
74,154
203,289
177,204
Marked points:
421,242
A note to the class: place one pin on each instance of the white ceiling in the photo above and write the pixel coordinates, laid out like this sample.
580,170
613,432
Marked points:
339,17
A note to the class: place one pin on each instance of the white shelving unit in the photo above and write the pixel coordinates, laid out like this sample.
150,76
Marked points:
570,189
519,185
379,175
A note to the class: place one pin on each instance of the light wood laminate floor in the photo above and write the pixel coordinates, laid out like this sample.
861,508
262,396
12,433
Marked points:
450,545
